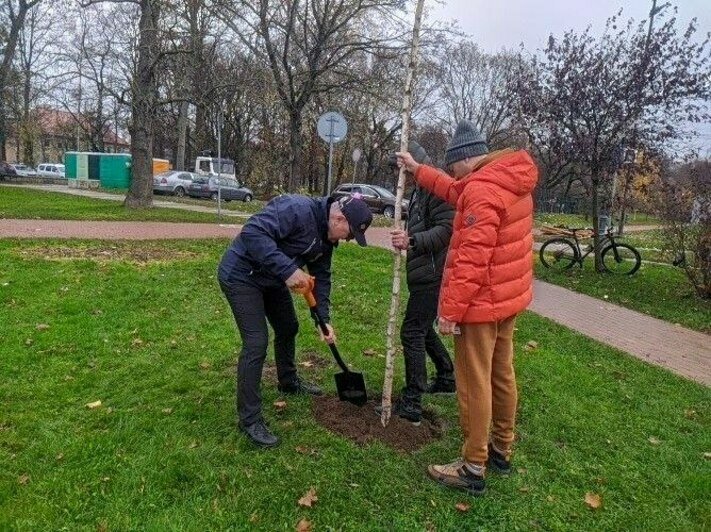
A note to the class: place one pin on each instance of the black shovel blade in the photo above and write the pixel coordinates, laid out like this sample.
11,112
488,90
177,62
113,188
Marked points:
351,388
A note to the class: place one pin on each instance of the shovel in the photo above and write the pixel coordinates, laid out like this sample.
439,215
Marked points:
350,385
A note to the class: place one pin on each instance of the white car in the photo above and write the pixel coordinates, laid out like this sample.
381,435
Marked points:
51,170
24,170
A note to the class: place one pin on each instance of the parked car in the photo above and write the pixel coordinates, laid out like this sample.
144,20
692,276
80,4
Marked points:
379,199
50,170
6,170
175,182
24,170
230,189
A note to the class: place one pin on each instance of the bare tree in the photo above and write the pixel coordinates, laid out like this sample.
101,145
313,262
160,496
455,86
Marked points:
15,12
589,94
308,45
404,142
143,99
478,87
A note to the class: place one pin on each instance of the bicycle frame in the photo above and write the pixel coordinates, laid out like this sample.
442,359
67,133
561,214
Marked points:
608,237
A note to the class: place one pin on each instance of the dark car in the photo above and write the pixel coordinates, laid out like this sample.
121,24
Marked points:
229,189
7,170
379,199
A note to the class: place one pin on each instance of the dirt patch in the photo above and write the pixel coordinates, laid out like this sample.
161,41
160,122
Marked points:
137,254
309,361
362,424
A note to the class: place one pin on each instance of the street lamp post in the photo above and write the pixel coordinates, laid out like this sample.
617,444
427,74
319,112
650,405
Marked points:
219,162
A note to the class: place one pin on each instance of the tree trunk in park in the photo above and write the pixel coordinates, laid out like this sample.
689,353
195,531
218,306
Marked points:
182,136
17,20
295,151
143,109
596,222
404,142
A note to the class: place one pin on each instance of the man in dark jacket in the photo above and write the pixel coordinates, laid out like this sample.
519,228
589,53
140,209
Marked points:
256,274
426,240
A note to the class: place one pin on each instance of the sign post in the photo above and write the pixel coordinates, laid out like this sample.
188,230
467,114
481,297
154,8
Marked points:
356,157
220,119
332,127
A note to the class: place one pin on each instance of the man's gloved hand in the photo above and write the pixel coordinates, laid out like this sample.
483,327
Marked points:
300,282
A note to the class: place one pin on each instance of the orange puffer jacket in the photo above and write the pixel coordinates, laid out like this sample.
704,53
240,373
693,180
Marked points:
488,275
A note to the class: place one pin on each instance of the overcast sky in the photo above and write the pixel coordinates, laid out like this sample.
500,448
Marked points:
494,25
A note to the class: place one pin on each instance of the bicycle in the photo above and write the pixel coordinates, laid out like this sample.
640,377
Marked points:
561,253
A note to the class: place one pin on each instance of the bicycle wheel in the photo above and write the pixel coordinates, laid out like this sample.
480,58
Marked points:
621,259
558,254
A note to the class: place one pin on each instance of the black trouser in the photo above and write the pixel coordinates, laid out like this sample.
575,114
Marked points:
252,304
418,337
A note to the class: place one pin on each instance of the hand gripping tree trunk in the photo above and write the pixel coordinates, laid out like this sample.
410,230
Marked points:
404,141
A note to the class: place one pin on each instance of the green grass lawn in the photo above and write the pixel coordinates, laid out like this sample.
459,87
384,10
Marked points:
578,220
144,329
661,291
35,204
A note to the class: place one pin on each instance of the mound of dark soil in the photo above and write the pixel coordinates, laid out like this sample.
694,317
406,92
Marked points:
362,424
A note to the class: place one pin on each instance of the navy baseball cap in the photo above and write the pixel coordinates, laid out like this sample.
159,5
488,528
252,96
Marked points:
358,215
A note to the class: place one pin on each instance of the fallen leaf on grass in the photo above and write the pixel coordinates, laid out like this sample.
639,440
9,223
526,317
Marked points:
280,405
42,327
368,352
305,450
654,441
304,526
306,364
24,479
531,345
593,500
462,506
309,499
95,404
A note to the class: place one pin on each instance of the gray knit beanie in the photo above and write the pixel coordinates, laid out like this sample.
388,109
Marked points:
418,153
466,142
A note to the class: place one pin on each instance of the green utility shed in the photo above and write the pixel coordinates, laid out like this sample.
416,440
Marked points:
111,170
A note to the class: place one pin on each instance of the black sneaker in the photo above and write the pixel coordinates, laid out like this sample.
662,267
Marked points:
498,462
458,475
405,410
300,387
442,386
259,433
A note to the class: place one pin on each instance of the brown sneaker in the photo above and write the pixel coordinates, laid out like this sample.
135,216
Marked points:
459,475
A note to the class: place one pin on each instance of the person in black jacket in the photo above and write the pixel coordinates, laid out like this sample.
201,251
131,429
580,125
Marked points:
256,274
426,240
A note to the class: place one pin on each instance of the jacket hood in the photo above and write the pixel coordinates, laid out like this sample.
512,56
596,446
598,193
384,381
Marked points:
513,171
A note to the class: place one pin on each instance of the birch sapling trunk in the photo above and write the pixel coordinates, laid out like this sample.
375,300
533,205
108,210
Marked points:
404,141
